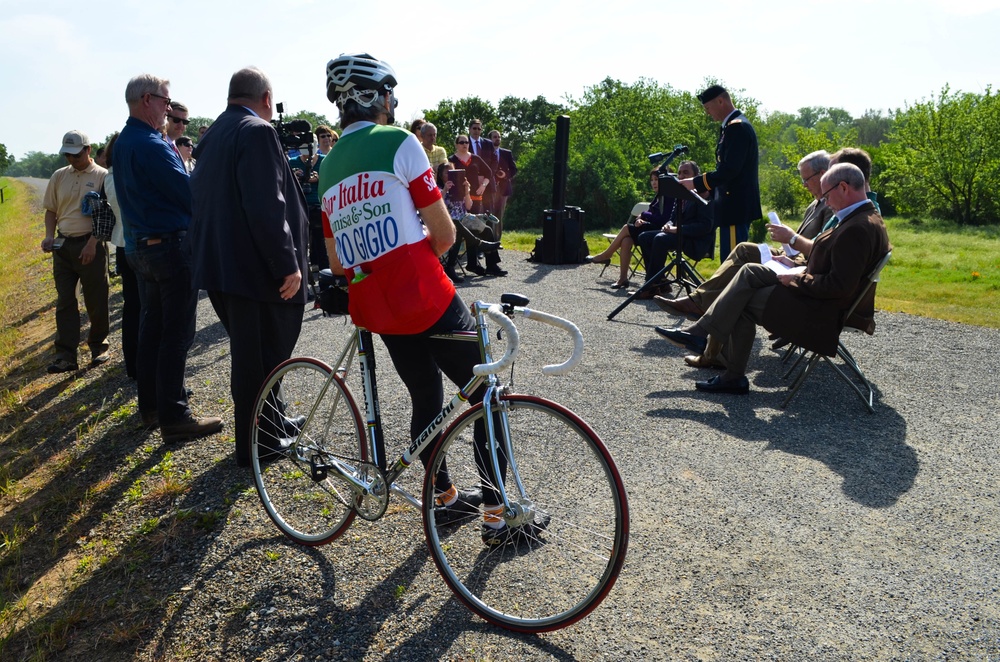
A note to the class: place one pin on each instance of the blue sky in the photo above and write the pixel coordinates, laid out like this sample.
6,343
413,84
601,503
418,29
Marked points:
65,64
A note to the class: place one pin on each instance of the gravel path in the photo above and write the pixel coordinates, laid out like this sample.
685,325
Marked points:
816,532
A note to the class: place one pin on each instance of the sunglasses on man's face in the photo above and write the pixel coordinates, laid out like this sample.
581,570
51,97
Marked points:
178,120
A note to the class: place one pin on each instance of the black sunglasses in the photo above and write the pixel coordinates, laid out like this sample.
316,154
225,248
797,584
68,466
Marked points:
461,142
178,120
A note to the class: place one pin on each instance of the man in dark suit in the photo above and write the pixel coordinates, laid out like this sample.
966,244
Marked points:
734,181
483,148
249,236
807,308
504,174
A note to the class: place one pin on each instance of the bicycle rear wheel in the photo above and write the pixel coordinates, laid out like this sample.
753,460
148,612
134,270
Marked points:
559,571
309,507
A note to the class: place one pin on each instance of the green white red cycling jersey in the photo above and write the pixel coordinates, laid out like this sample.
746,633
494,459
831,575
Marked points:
371,185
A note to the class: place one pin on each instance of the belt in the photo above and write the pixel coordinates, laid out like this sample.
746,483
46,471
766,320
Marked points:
74,237
165,238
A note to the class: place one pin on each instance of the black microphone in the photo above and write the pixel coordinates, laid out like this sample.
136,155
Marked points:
659,156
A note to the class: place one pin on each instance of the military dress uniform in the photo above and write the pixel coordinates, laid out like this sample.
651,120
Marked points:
734,182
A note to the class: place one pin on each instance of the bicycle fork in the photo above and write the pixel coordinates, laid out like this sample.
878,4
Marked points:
522,510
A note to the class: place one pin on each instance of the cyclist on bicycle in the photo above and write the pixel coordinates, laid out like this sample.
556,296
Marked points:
374,183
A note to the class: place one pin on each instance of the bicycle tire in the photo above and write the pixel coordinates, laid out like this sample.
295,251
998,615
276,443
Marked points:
311,512
553,579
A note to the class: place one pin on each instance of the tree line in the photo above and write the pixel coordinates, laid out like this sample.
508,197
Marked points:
936,158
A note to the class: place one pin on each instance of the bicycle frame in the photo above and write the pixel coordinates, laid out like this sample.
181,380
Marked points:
361,343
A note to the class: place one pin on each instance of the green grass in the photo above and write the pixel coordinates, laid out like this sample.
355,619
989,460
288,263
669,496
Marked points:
938,269
943,271
21,233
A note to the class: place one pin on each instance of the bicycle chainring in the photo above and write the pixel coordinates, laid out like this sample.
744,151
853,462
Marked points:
372,503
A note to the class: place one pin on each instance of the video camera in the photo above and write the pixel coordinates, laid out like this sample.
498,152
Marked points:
293,134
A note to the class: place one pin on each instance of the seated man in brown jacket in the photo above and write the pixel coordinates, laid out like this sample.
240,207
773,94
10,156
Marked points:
807,308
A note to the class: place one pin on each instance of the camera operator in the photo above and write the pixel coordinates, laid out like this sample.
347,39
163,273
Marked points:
305,166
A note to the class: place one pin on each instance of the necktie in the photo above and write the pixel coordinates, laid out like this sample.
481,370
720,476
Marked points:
832,223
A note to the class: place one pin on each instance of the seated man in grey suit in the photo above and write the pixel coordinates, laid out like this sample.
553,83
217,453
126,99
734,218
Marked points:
811,168
807,308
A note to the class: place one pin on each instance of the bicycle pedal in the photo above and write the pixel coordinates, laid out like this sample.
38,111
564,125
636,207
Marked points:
317,471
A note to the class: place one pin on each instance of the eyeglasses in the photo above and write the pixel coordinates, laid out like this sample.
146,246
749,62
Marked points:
160,96
188,145
825,193
178,120
461,142
475,128
806,180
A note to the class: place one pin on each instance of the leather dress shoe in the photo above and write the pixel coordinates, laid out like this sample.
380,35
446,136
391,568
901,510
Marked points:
192,427
699,361
779,342
476,269
688,341
680,306
495,271
291,425
592,260
739,386
620,285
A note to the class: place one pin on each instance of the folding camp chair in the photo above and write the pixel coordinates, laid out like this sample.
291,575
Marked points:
636,257
812,358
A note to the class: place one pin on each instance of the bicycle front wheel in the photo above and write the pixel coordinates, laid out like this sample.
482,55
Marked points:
560,566
305,416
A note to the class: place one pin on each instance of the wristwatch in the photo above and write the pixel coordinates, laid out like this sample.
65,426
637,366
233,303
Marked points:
791,242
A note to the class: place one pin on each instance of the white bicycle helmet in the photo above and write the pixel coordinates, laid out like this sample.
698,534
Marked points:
359,76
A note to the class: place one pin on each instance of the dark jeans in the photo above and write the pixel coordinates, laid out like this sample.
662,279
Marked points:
166,326
67,271
419,360
131,309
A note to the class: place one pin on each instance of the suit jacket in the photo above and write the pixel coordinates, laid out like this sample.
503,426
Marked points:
487,152
810,312
505,162
734,182
817,214
249,225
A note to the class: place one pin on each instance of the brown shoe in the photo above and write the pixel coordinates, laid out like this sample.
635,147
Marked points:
700,361
679,306
192,428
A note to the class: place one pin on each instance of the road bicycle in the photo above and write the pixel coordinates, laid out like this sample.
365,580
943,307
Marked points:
318,464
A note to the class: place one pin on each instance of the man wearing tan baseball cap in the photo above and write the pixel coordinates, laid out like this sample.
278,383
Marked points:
77,256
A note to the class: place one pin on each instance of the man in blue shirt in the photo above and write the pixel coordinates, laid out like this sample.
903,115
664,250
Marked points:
155,198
